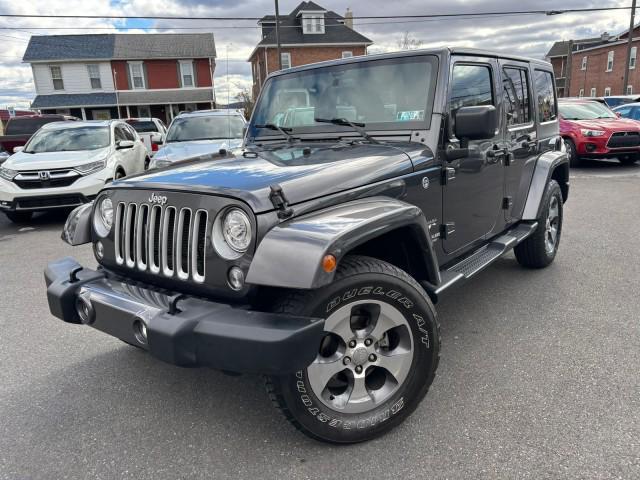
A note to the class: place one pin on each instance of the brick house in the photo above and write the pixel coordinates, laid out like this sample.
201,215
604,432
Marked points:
308,34
99,76
594,67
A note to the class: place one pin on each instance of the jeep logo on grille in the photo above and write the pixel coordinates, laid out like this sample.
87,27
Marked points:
159,199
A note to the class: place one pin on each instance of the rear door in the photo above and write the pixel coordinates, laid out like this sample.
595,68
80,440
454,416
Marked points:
519,133
473,193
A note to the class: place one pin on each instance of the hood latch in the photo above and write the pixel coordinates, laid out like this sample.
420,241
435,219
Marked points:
280,202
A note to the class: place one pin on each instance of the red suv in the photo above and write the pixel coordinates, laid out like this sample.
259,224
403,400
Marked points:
592,130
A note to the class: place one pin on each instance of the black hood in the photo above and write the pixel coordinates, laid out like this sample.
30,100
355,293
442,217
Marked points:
304,171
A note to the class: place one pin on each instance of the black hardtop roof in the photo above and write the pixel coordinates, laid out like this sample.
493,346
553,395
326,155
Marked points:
442,51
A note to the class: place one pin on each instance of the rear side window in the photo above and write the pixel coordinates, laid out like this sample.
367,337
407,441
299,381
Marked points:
516,95
27,126
470,86
545,96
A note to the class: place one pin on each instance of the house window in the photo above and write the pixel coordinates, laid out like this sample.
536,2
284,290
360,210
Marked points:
56,77
94,76
607,92
137,76
347,54
581,92
313,23
610,61
584,63
629,89
186,73
285,60
593,91
632,58
144,111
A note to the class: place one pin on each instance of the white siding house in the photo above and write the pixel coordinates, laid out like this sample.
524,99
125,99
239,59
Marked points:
75,77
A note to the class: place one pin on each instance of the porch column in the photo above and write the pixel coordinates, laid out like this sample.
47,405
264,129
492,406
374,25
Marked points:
170,113
84,113
128,112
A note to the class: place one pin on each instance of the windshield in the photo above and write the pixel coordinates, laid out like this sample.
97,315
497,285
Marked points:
386,94
585,111
142,126
67,140
27,126
188,129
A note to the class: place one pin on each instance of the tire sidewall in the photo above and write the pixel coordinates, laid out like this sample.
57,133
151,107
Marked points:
572,152
553,190
330,425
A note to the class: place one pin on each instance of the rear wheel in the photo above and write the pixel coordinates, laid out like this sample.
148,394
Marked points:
376,361
539,250
119,174
19,217
572,153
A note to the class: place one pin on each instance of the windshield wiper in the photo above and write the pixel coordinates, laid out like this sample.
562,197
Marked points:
357,126
283,130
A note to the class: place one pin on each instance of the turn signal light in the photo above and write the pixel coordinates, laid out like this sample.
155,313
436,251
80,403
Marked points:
329,263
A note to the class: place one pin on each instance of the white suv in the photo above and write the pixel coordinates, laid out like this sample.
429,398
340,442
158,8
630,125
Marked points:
65,164
199,133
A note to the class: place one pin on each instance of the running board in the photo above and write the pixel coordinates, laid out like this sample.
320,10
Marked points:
481,258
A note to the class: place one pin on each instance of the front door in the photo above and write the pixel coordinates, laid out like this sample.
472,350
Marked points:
520,134
472,197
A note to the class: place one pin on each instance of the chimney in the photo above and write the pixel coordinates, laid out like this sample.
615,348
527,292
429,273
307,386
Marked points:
348,18
605,36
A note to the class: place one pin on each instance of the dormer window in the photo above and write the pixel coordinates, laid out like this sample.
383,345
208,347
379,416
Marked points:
313,23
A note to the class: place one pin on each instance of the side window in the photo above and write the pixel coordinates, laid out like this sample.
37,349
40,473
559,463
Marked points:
119,134
470,86
516,95
545,96
129,133
624,111
636,113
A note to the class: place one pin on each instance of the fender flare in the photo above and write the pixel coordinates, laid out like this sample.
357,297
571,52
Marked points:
545,167
290,255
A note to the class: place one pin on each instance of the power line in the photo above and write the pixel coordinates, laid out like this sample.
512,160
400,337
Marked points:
365,17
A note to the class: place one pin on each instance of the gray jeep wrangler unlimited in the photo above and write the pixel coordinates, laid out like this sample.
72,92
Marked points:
366,188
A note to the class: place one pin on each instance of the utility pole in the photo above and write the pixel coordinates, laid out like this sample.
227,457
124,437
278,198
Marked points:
278,34
629,41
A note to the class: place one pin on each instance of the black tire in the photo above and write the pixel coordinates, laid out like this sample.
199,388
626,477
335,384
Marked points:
572,153
147,162
119,174
629,159
359,280
534,252
19,217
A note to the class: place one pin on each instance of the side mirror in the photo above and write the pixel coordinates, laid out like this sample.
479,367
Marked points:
476,123
17,149
157,139
122,144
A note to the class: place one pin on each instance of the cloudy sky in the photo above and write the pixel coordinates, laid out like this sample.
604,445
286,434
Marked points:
530,35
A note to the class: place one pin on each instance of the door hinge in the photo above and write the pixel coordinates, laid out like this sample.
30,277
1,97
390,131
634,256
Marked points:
507,202
447,174
447,229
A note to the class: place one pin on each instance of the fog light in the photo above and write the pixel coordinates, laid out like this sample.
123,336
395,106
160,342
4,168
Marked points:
99,250
236,278
140,331
84,310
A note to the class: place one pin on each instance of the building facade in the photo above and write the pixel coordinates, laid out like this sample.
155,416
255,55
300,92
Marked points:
595,67
308,34
96,77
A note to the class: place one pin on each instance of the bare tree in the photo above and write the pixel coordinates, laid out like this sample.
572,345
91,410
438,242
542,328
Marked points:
406,42
245,97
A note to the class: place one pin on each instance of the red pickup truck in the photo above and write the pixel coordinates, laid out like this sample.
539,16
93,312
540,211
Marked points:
20,129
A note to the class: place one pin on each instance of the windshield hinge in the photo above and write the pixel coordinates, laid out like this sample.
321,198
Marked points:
280,202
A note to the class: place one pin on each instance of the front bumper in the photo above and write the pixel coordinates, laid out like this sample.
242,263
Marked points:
197,333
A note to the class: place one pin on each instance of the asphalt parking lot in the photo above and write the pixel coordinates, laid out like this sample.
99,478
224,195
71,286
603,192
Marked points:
539,375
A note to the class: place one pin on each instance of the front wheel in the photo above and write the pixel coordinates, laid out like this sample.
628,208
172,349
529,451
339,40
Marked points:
539,250
572,153
629,159
376,361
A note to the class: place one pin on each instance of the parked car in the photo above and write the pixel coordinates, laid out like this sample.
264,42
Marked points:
151,130
617,100
65,164
3,156
629,110
592,130
316,256
20,129
203,132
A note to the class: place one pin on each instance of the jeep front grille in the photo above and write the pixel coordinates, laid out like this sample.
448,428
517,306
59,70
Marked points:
164,240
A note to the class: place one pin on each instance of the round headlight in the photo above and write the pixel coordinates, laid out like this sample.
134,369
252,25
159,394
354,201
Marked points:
103,217
231,233
236,230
